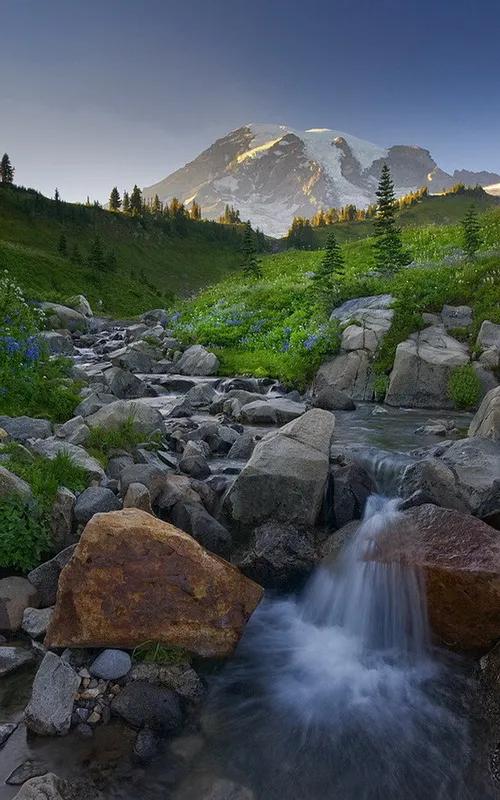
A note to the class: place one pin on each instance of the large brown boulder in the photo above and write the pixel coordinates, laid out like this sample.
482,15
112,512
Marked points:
134,578
460,559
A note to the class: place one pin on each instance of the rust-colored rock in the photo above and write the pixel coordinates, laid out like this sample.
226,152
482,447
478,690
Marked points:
134,578
460,558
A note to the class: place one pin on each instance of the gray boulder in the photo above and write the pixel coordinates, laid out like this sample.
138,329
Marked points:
74,431
136,357
45,577
193,461
475,463
11,485
49,710
95,500
23,428
62,518
138,496
57,343
350,373
196,360
155,315
149,475
278,556
434,479
124,384
422,369
51,448
489,336
146,419
456,316
243,447
59,316
203,394
330,398
276,411
81,304
193,518
93,402
486,422
286,475
36,621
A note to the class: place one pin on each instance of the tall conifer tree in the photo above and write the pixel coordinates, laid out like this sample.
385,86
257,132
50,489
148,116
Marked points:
250,263
471,232
115,200
331,268
389,252
6,170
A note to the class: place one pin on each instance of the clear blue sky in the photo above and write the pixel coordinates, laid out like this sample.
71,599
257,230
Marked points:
97,93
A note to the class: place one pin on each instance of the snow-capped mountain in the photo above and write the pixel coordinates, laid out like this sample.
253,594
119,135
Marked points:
272,173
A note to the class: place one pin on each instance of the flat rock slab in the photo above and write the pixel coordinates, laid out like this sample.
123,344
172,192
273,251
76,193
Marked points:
134,578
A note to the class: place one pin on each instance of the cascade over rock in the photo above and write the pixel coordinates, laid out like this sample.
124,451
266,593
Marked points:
459,556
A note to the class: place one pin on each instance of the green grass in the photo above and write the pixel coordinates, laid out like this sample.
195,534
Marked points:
25,533
265,326
154,263
102,441
431,210
156,653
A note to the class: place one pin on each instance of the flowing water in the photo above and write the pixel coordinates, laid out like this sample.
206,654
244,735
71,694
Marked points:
339,693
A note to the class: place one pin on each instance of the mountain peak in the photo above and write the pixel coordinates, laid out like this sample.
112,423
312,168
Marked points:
272,172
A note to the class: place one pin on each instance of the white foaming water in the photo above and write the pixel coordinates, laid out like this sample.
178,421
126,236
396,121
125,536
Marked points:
339,693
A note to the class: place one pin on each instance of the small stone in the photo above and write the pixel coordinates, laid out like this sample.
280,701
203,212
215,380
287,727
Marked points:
111,664
35,621
94,718
84,673
51,706
16,594
6,730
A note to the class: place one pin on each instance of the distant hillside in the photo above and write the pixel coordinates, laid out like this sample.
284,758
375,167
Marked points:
446,209
154,261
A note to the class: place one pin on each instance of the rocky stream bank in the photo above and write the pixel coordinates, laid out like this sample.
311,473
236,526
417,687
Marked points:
234,488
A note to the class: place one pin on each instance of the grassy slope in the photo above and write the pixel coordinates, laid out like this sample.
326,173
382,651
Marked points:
439,209
152,261
249,323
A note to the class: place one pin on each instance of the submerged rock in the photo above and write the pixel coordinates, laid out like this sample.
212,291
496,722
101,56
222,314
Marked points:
142,703
13,658
460,559
134,578
16,594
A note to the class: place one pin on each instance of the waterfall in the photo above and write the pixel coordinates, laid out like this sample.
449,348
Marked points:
339,692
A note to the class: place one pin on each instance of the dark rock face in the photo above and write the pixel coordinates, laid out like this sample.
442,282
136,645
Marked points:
278,557
460,558
140,703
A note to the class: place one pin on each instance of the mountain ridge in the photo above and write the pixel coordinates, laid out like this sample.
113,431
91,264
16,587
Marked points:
272,173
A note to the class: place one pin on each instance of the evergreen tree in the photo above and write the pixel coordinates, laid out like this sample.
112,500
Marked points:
389,252
95,258
110,263
156,206
136,202
76,256
115,200
250,263
195,211
331,268
126,203
300,234
62,245
57,196
6,170
471,232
